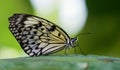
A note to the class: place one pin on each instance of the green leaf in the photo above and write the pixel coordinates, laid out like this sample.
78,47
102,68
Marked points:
70,62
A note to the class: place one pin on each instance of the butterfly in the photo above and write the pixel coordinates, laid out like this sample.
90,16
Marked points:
38,36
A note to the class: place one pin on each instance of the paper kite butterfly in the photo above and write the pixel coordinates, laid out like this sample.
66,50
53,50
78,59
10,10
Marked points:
38,36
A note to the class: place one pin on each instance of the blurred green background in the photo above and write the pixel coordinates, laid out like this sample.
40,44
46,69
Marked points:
102,22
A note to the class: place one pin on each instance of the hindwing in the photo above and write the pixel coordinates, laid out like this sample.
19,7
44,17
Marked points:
37,36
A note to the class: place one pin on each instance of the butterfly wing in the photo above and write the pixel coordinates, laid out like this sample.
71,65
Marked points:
37,36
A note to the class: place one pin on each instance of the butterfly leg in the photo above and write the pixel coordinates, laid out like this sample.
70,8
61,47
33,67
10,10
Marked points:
66,50
80,49
75,50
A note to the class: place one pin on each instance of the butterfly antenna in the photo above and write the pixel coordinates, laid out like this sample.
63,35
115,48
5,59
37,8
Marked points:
78,43
82,34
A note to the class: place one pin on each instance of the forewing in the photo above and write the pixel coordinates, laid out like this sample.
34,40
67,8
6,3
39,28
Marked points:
37,36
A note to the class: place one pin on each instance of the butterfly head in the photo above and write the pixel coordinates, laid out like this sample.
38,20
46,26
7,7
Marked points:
72,41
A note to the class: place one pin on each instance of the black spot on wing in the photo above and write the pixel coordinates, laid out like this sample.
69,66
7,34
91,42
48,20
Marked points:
36,26
42,29
35,32
52,28
59,34
40,24
37,48
32,37
33,43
